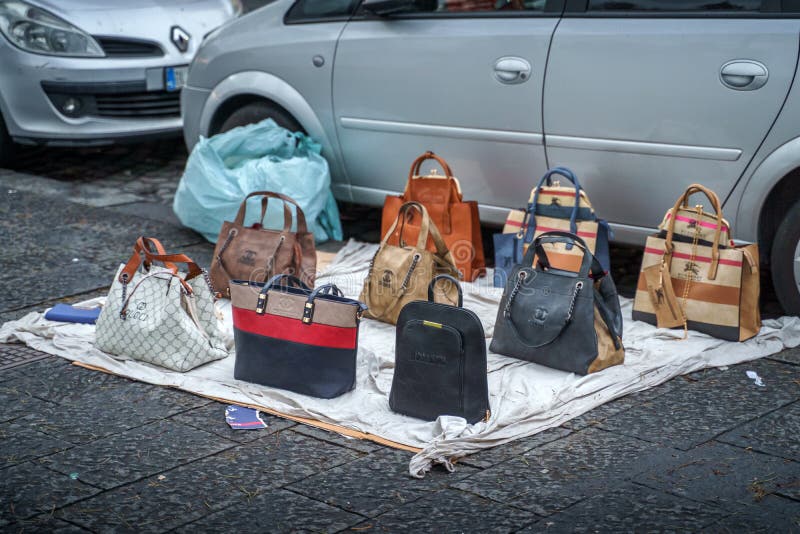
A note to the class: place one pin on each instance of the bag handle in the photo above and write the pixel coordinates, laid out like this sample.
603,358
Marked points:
424,229
683,201
415,167
167,259
287,214
590,267
327,289
451,181
301,218
530,215
143,246
450,279
275,281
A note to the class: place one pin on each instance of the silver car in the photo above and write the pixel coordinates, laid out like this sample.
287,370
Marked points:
90,72
640,98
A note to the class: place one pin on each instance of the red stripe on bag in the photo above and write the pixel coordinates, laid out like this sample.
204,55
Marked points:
682,256
557,193
704,224
287,329
591,235
513,223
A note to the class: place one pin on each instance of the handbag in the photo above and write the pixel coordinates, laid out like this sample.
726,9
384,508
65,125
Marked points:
457,220
159,315
440,361
291,337
400,274
256,254
559,318
552,207
694,276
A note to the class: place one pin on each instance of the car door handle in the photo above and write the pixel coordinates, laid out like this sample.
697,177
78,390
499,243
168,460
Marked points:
511,70
743,75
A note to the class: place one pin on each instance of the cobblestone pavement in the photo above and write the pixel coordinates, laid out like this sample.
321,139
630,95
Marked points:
85,451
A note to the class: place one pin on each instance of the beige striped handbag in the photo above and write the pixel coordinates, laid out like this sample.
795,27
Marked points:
694,276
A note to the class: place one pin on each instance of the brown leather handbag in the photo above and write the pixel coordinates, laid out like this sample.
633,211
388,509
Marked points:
456,219
255,254
401,274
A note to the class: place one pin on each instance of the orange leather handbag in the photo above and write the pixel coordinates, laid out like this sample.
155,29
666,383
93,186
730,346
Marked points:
456,219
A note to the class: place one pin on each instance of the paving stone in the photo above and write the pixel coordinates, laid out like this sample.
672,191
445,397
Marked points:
63,384
28,490
725,476
211,418
41,260
758,522
695,412
787,356
137,453
777,433
19,441
554,476
45,523
631,508
501,453
375,483
18,402
115,410
361,445
598,415
234,476
275,511
450,511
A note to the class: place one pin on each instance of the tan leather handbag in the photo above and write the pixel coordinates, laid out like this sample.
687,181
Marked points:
255,254
456,219
401,274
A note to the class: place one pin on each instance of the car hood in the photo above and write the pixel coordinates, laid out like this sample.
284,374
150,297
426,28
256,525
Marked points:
142,19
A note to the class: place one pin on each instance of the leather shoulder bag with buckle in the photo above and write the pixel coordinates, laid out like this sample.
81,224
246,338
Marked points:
256,254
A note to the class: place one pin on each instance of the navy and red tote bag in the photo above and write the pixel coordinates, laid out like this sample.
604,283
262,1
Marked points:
291,337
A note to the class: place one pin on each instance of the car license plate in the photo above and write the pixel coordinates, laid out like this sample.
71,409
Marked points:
175,77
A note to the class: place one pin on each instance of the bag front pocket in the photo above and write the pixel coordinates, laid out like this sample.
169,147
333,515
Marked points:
429,371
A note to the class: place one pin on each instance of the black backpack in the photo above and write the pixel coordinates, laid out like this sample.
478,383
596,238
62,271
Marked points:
440,361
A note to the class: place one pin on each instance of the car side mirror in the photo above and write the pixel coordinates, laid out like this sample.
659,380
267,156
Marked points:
387,8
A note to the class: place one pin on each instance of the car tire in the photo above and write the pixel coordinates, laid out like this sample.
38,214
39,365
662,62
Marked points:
6,144
785,261
257,112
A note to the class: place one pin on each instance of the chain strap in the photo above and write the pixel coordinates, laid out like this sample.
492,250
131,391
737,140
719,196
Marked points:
577,290
520,278
124,294
414,262
209,283
271,262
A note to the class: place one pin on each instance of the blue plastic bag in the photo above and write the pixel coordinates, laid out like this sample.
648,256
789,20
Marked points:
223,169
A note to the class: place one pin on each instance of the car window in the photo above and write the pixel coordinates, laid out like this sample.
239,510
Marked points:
317,10
674,5
466,6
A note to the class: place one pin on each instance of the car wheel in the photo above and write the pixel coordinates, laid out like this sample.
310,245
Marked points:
6,144
257,112
785,261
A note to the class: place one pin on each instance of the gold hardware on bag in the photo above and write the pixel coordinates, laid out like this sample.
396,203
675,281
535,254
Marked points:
432,324
261,304
308,312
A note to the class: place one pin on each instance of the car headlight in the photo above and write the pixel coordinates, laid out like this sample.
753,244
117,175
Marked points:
36,30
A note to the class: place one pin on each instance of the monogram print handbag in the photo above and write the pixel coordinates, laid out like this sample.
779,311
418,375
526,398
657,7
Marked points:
157,314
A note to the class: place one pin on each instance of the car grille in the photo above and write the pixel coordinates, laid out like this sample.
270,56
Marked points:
120,47
137,105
